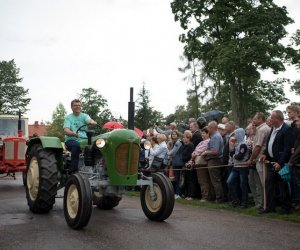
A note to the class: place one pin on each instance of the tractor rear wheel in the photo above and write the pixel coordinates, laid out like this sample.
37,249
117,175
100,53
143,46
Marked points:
41,179
77,201
161,206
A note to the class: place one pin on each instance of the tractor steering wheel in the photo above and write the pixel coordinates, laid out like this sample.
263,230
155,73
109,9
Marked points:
85,130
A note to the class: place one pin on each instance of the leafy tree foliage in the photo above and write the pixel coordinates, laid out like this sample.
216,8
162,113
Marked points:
55,128
95,105
145,115
180,115
12,97
235,40
195,79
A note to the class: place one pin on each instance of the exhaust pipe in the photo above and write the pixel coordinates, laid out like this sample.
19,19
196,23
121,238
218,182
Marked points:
20,132
131,110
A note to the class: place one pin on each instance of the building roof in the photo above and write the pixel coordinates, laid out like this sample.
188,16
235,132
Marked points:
37,129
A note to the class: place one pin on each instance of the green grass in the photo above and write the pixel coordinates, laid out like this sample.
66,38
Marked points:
293,217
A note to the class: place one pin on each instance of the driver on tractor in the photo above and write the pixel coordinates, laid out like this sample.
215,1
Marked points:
72,139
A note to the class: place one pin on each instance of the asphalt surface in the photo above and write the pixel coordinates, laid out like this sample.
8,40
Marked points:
126,227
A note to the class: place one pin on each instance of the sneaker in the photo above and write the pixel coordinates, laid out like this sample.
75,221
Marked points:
177,196
203,200
189,198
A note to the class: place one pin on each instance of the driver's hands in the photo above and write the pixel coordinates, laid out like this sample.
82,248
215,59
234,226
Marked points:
74,134
92,122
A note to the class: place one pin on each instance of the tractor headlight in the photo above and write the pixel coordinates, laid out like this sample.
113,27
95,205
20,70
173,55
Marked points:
100,143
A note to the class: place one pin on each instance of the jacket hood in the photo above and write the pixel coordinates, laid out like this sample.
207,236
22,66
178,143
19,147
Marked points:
239,134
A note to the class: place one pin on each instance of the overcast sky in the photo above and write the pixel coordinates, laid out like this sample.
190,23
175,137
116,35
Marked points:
62,47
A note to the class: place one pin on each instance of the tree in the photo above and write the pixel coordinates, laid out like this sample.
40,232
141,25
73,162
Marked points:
235,40
95,105
12,97
55,128
195,78
145,115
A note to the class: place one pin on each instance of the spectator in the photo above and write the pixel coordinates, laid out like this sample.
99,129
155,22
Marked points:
277,152
202,174
259,144
229,128
175,155
239,173
293,162
188,148
269,121
213,155
196,138
168,129
154,146
161,150
224,120
293,111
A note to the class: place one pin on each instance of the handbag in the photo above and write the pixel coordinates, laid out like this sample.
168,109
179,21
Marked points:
157,162
286,175
167,161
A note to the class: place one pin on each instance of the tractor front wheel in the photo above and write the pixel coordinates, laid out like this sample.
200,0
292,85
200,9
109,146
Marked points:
77,201
41,179
159,207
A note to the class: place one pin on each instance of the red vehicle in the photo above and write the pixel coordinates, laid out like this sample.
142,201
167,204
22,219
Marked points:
13,137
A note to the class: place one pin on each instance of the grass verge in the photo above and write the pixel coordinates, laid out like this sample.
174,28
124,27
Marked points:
293,217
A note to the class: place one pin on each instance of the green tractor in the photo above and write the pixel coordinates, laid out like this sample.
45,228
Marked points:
108,164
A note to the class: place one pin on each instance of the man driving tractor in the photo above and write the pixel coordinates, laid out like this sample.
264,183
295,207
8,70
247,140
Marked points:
73,137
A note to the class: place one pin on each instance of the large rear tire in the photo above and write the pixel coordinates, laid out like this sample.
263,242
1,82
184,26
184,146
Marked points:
41,179
77,201
162,206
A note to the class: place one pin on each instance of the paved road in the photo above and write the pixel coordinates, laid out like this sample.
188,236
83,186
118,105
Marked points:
126,227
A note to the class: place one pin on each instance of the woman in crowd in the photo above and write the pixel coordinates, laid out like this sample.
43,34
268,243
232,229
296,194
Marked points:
239,173
202,174
161,149
175,155
188,148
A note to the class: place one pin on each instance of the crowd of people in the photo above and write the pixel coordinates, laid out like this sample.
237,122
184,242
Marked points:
222,162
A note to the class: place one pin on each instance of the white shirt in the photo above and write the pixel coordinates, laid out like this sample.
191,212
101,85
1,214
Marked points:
271,141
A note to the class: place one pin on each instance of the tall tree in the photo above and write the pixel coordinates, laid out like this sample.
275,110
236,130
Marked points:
95,105
235,40
55,128
12,97
195,78
145,115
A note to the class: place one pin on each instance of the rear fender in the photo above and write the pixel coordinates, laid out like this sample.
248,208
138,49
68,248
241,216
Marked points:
51,143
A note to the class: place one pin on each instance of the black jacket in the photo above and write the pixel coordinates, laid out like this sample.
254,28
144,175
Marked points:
196,138
187,152
282,145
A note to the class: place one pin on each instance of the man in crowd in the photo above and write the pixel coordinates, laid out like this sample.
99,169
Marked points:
72,123
277,153
196,138
294,163
213,156
169,127
256,181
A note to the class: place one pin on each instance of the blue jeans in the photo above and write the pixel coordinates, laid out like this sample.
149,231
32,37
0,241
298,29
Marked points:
74,147
238,175
177,180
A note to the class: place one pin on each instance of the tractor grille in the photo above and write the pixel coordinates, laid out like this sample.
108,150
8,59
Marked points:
15,150
123,166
